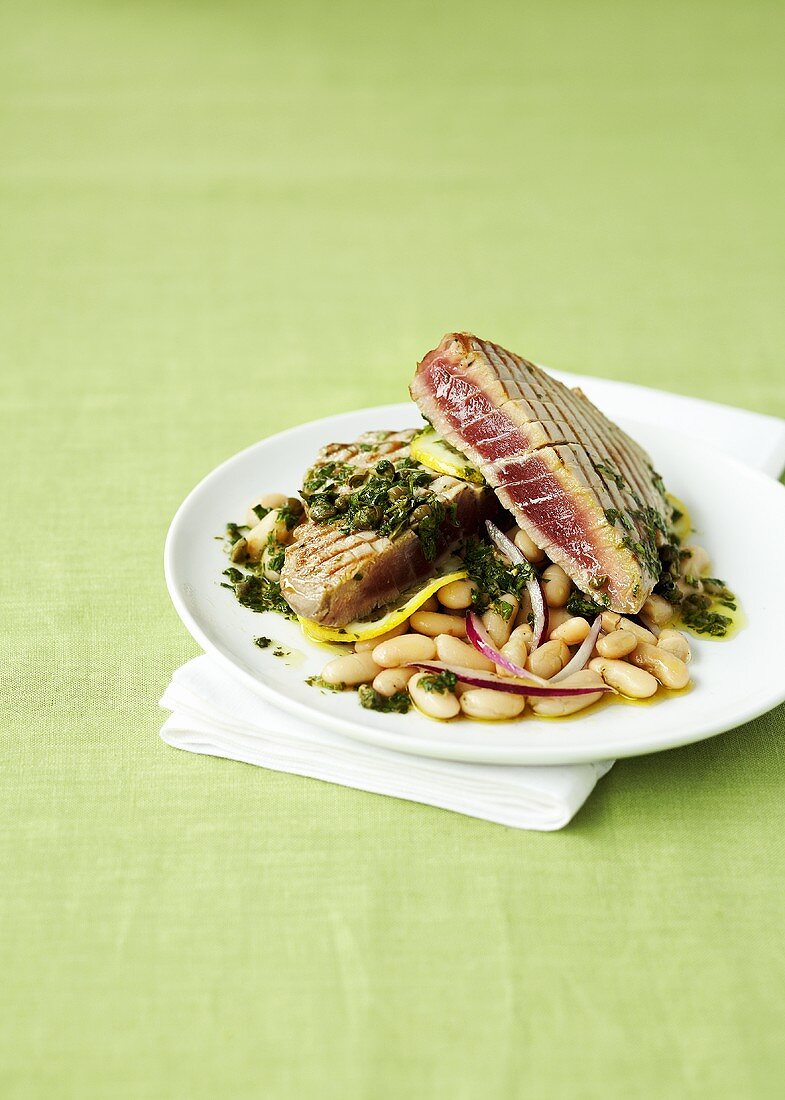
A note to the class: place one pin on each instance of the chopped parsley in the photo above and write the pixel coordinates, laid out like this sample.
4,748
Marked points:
493,577
277,649
323,685
257,593
234,532
696,613
390,497
371,699
581,605
438,682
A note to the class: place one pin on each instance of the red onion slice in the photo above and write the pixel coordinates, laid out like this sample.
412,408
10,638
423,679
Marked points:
533,586
500,683
581,656
483,643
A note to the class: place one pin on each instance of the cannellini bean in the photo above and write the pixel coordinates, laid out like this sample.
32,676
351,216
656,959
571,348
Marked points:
557,706
616,644
548,659
400,651
669,670
676,643
557,616
455,652
351,669
658,610
624,677
268,500
612,621
525,609
491,706
457,595
695,563
432,623
370,644
497,626
431,604
434,704
531,552
391,680
517,648
557,586
572,632
272,524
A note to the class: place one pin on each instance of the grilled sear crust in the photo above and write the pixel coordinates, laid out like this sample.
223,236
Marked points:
333,578
584,491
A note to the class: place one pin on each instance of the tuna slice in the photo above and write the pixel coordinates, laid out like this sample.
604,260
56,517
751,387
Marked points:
334,576
584,491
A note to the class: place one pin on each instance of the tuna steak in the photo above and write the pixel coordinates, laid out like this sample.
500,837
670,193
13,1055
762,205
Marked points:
584,491
339,567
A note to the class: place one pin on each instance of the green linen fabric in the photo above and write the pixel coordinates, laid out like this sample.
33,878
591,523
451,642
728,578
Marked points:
219,220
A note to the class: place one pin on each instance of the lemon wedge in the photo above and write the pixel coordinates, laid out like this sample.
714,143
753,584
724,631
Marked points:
430,450
682,526
360,630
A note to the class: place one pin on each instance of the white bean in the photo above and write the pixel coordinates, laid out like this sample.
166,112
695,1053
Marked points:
271,525
431,604
528,548
268,500
695,563
658,610
616,644
676,643
351,669
433,704
557,616
611,621
624,677
557,706
548,659
432,623
492,706
497,625
455,652
669,670
457,595
400,651
392,680
557,585
572,632
517,648
370,644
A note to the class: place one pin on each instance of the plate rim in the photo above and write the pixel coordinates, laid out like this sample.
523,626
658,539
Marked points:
433,748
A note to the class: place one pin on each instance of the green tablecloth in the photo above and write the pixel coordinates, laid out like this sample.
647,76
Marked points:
220,220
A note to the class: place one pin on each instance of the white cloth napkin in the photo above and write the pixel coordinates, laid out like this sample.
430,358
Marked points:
216,714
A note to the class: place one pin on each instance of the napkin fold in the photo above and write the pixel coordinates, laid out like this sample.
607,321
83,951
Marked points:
216,714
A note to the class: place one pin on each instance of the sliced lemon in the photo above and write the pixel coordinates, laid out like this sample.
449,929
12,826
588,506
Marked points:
360,630
682,526
430,449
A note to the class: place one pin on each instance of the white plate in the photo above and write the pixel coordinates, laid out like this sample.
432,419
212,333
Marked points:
740,517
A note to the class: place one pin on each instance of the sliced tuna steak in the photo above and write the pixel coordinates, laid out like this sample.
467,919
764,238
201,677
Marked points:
584,491
340,567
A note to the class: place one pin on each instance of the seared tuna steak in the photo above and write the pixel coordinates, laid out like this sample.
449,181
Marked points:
584,491
378,523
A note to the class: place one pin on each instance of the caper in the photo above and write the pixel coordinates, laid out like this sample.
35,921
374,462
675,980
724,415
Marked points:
341,503
295,505
396,492
239,551
356,480
422,479
421,512
365,519
321,511
385,468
